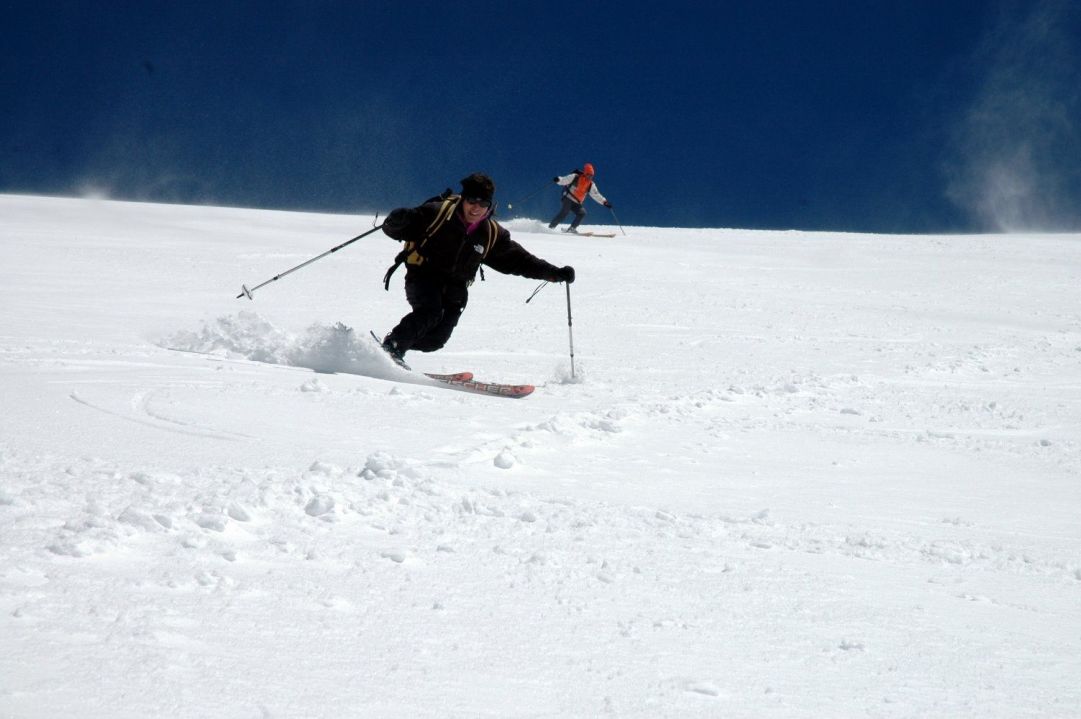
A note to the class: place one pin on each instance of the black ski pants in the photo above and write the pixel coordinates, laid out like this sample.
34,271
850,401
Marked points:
569,205
437,305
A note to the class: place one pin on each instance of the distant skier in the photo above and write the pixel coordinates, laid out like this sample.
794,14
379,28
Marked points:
579,184
447,239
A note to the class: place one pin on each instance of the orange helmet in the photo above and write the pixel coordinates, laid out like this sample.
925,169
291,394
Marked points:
587,169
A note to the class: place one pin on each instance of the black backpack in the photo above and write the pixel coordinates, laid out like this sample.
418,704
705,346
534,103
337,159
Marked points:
411,253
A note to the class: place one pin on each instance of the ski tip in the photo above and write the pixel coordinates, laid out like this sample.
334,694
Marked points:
516,391
450,377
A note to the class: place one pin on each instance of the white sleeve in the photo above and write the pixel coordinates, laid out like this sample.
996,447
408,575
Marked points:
565,180
596,194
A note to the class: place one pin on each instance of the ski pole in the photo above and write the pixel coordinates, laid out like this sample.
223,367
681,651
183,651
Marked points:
617,220
570,327
246,292
570,322
510,205
540,287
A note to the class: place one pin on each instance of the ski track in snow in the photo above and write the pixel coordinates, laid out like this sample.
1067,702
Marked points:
142,414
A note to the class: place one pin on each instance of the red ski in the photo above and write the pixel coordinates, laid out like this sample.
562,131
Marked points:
452,377
493,389
464,382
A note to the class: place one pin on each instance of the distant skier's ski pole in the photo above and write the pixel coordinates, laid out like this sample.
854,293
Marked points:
617,220
570,327
245,291
510,205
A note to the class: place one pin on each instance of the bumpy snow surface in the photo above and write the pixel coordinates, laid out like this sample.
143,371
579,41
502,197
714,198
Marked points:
791,475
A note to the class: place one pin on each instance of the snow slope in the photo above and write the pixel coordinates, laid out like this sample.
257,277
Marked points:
793,475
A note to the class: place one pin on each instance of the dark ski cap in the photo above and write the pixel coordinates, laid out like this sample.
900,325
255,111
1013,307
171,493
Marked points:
478,185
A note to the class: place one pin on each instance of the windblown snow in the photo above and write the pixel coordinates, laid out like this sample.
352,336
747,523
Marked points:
790,475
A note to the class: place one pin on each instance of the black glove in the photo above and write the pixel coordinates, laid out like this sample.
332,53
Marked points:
563,274
396,223
608,204
555,180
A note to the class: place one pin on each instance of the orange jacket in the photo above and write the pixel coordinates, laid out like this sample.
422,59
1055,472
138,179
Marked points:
578,186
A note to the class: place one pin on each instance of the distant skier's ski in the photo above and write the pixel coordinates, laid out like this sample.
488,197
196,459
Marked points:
493,389
588,234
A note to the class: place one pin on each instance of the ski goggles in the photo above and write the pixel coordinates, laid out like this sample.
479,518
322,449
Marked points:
478,201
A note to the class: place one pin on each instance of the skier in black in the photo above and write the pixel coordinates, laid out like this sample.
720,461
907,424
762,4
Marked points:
446,242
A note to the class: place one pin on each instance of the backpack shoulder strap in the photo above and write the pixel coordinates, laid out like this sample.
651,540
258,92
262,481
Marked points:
410,254
493,235
450,204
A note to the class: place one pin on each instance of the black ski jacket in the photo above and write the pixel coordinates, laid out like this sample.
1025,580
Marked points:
453,254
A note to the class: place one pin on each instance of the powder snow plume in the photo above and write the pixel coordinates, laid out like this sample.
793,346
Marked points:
1015,149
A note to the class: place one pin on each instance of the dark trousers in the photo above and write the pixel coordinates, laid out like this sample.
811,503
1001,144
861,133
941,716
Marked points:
569,206
437,306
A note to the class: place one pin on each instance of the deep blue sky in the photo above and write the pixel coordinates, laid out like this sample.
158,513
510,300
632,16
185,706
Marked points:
887,115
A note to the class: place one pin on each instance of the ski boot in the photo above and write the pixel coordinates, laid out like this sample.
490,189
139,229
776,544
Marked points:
391,348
